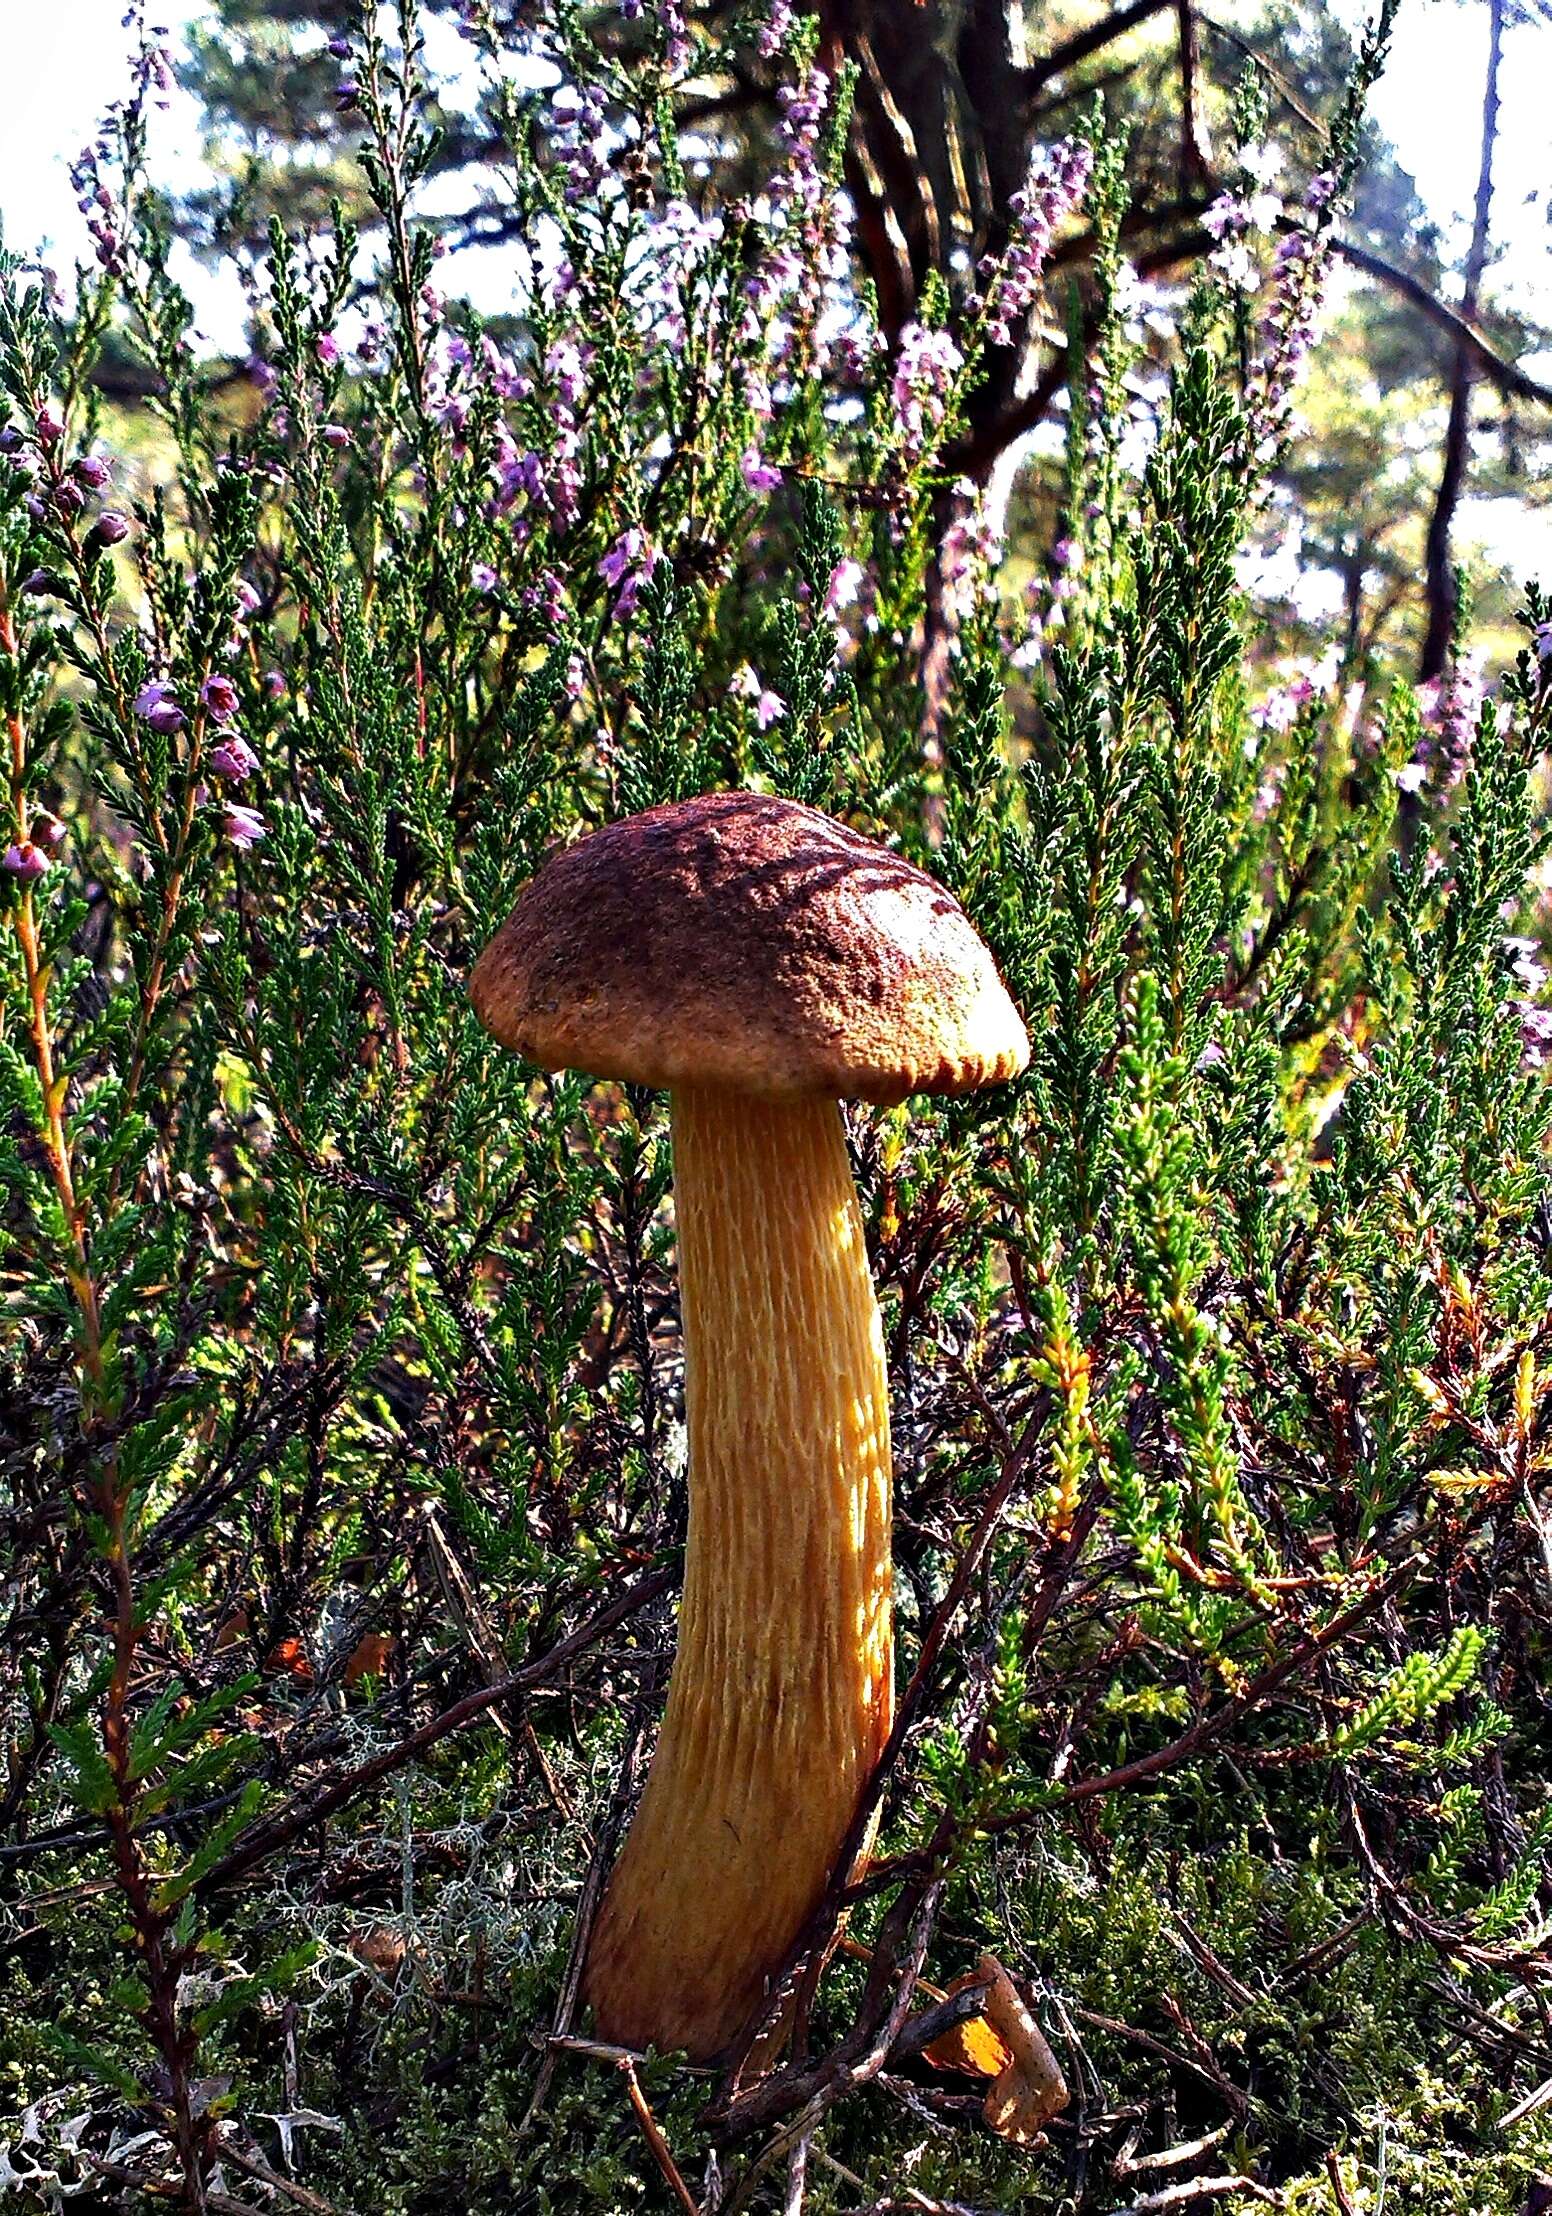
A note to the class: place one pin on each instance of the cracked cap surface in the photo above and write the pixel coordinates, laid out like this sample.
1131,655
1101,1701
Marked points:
751,943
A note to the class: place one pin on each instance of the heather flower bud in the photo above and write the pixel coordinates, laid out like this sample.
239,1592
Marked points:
23,860
335,434
234,759
51,425
242,827
219,695
92,471
156,704
47,831
110,529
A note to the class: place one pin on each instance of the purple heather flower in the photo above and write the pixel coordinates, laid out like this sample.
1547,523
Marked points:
576,678
51,425
219,695
68,497
777,24
347,94
1228,215
38,584
483,578
1541,639
769,709
110,529
928,364
10,440
248,601
234,758
93,471
1058,178
335,435
275,684
625,550
24,860
327,349
47,831
156,704
841,591
1535,1032
242,827
972,549
758,474
339,48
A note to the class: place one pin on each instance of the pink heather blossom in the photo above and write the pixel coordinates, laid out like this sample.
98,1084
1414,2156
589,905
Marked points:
1287,330
972,550
275,684
328,350
248,601
566,365
93,471
777,24
625,550
1058,178
1237,266
576,678
335,434
156,704
50,425
219,695
925,371
758,474
1228,214
841,591
242,827
483,578
628,564
1535,1033
1451,708
47,831
234,759
579,138
769,708
24,860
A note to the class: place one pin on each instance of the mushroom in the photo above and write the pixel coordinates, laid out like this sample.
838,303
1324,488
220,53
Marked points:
762,962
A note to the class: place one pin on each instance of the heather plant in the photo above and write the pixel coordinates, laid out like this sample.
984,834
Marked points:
341,1387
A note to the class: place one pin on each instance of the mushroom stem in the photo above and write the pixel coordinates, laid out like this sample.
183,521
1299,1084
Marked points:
781,1696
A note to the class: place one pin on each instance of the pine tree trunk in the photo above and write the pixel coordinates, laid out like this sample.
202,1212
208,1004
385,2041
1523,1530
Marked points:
1457,436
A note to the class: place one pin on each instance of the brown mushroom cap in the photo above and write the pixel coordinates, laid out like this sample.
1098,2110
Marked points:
750,943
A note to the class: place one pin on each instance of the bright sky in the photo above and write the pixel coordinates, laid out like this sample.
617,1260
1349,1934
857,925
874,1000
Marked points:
64,62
